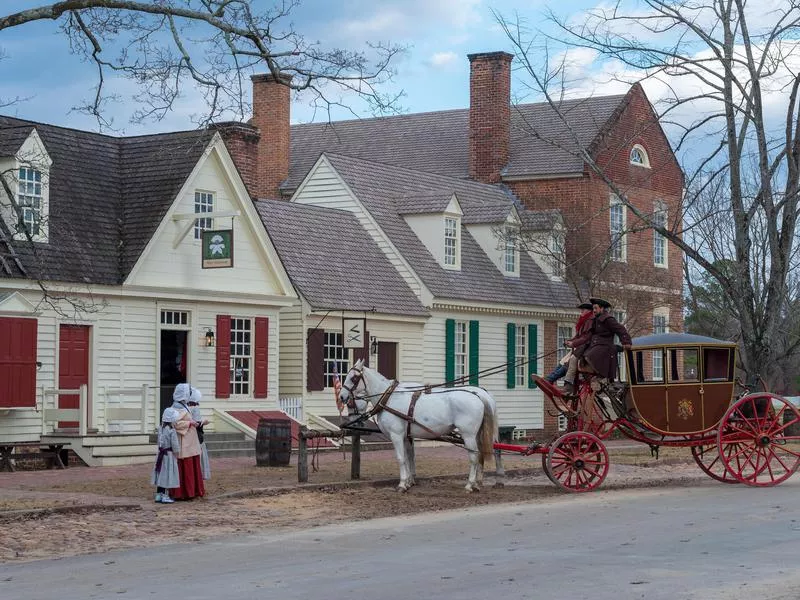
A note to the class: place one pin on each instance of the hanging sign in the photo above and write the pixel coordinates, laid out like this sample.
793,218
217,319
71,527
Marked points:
353,331
218,249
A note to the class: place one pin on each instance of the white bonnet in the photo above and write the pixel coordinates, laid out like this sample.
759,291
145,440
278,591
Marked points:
170,415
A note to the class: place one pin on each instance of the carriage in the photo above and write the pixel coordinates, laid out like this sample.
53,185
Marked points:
680,390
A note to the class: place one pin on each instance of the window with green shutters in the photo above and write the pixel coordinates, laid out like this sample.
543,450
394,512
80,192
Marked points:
461,351
516,355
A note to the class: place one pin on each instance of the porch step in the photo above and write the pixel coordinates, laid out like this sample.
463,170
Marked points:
225,445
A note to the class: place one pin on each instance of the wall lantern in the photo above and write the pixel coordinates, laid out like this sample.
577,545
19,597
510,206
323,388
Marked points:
373,346
209,338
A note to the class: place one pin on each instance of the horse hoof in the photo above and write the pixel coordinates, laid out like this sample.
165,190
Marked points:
402,489
499,484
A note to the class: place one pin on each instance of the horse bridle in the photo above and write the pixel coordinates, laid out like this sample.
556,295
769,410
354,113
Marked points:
354,383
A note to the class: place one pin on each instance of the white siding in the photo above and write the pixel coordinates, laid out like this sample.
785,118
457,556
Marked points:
163,266
522,407
410,368
293,348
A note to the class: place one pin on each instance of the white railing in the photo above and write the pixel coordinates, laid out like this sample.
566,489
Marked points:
292,406
50,415
118,411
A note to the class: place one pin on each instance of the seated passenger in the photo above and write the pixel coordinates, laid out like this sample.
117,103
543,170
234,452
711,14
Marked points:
569,364
600,356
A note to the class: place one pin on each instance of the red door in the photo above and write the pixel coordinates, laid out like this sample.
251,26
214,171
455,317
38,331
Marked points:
73,366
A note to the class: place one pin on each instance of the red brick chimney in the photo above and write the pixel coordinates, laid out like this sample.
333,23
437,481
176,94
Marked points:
271,117
489,114
242,139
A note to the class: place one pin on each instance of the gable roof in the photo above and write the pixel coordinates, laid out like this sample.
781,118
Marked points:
438,142
107,196
357,277
378,187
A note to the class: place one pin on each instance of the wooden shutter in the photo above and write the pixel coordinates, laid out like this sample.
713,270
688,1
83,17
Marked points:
362,352
533,353
223,336
473,353
315,354
18,362
511,355
261,358
449,351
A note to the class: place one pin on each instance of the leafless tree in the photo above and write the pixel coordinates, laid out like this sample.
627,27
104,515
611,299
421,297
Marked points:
729,77
209,47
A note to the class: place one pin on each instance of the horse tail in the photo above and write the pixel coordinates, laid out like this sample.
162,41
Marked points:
487,434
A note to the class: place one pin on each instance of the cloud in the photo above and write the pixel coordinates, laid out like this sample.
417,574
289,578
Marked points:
444,59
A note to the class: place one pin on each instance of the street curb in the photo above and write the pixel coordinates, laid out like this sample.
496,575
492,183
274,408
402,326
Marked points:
40,513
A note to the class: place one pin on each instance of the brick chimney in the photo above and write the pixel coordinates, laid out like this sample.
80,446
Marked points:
489,114
242,139
271,117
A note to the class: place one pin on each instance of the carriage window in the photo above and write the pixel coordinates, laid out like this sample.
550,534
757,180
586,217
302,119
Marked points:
644,371
336,357
717,364
684,365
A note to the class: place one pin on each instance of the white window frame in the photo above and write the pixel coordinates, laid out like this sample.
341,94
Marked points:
660,325
461,350
564,331
170,318
451,257
618,250
620,316
660,249
557,253
521,355
639,150
335,353
242,349
28,192
511,251
203,203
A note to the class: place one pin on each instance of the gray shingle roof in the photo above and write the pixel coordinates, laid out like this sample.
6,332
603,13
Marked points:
421,204
438,142
377,185
540,220
107,197
355,276
12,139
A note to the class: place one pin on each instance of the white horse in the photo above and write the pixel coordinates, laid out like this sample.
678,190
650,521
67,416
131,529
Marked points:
469,410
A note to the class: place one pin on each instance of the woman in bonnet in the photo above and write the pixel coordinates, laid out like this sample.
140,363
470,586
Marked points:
191,474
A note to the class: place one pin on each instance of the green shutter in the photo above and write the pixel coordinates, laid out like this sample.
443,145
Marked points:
473,353
449,350
533,351
511,355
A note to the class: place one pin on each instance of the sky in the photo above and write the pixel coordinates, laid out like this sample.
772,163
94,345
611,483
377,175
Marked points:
45,81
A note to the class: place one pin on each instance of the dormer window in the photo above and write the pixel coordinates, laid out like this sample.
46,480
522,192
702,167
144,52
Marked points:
511,251
30,202
451,242
639,156
557,254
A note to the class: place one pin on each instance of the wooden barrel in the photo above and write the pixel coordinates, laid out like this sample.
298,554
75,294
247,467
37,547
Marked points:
273,442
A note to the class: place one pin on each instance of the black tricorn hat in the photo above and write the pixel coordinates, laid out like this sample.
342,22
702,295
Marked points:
585,306
600,302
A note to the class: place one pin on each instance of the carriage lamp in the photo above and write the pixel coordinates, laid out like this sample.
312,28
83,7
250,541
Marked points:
209,338
373,345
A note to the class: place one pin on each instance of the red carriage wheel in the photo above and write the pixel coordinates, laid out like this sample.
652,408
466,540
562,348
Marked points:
577,462
754,439
708,459
546,469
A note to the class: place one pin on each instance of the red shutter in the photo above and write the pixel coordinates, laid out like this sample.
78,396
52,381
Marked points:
18,362
362,352
260,368
223,356
315,353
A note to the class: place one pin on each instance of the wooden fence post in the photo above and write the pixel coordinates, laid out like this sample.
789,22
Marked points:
355,460
302,455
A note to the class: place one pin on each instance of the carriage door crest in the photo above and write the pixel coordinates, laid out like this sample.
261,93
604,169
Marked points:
685,409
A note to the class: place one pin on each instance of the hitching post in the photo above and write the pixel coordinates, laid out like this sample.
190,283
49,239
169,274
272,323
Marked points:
355,461
302,456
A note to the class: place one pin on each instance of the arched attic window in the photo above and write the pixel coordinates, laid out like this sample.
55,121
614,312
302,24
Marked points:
639,156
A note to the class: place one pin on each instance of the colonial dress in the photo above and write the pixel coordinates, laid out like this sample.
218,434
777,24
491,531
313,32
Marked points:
205,464
165,471
191,474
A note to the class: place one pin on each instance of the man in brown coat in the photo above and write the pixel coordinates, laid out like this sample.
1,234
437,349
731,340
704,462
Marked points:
600,355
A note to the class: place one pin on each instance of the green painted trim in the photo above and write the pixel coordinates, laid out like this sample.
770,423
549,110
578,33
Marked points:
511,355
449,350
533,353
474,367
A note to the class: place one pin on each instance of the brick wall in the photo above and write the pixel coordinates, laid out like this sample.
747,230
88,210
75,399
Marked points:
242,140
489,114
271,117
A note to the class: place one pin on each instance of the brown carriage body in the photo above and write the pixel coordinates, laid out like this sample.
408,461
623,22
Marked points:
680,384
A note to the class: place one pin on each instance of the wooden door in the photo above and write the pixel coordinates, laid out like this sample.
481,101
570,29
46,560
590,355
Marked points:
73,367
387,359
